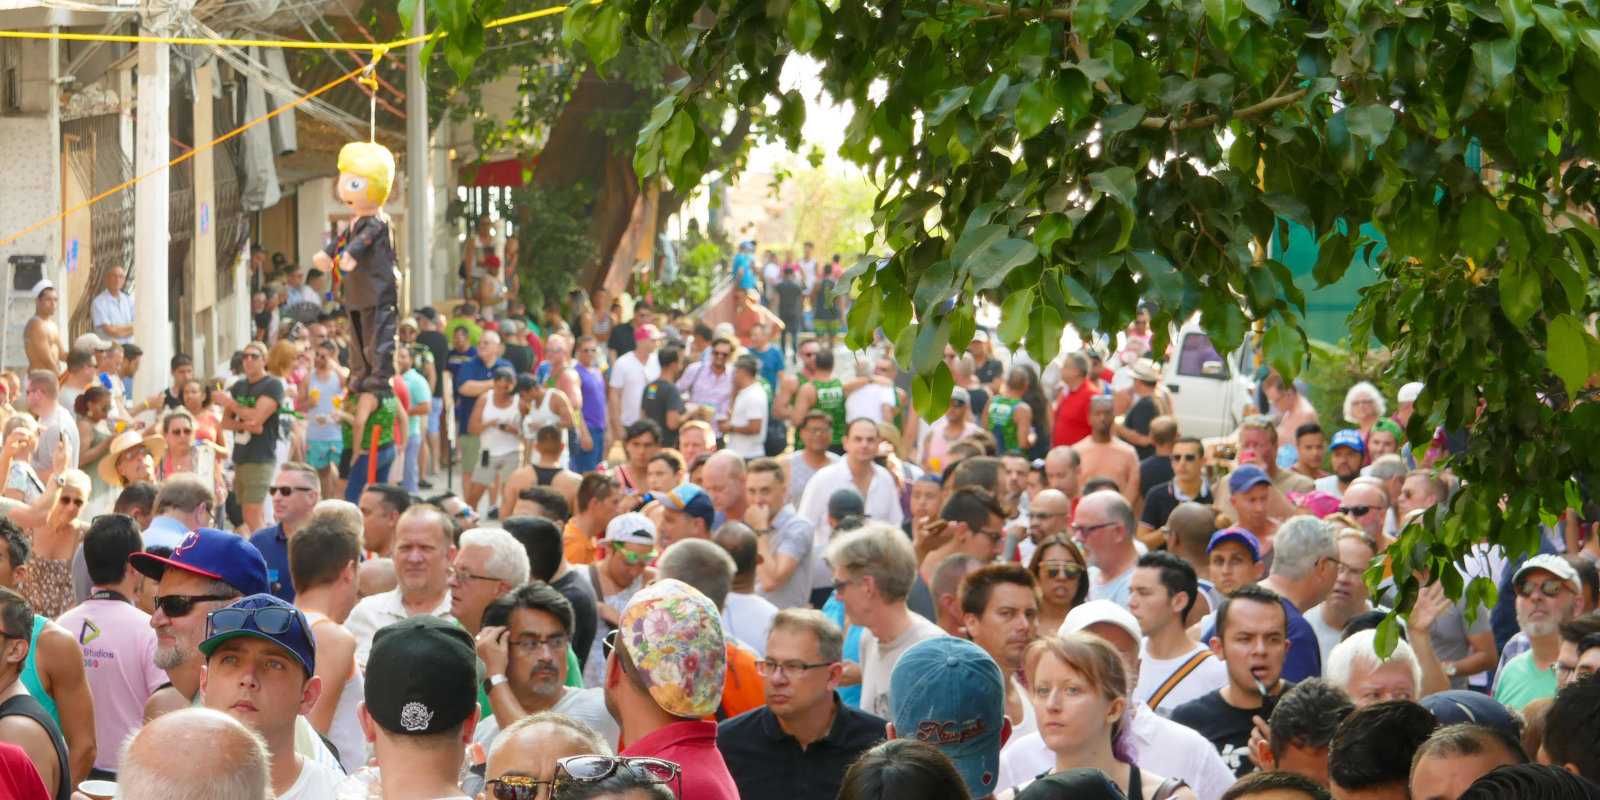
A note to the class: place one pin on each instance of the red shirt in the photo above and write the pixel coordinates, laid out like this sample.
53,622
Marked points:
692,745
1072,415
19,779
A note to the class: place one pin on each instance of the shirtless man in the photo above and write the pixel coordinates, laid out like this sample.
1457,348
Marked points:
558,354
1103,456
41,338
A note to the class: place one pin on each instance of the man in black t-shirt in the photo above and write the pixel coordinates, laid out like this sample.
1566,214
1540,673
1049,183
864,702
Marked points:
621,340
1252,638
431,337
662,402
250,410
1187,468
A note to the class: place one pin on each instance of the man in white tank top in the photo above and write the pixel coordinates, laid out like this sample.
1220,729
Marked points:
323,557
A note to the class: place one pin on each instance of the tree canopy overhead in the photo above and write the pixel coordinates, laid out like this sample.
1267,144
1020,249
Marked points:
1065,159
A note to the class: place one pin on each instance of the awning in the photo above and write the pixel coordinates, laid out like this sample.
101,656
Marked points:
507,172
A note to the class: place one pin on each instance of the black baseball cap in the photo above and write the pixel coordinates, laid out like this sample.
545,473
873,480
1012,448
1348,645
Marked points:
422,676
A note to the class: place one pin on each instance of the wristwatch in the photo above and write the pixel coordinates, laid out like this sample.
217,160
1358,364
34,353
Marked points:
1450,669
492,681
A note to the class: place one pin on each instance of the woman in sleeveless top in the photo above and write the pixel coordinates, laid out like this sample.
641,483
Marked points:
93,408
45,579
1079,691
197,401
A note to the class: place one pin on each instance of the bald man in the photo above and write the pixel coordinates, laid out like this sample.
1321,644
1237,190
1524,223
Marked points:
1102,455
1050,514
235,767
1188,533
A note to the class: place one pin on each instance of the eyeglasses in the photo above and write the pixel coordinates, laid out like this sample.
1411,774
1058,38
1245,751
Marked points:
285,491
768,667
608,644
1084,530
1549,587
533,644
517,787
249,354
463,575
1353,569
1357,511
1185,456
270,619
595,768
1060,570
630,556
176,606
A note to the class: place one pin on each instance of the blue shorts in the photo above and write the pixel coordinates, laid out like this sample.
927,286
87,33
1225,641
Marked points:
435,415
321,455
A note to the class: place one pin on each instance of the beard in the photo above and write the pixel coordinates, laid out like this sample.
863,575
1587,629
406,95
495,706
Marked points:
169,657
545,679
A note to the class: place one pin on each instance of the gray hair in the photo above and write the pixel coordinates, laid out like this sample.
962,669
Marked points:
881,552
1356,392
830,639
508,559
1299,544
1388,467
701,564
148,772
342,513
1078,361
589,736
1362,648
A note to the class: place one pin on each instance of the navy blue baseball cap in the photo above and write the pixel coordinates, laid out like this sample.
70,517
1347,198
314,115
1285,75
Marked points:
1462,705
263,616
1246,478
1236,534
692,500
1351,438
214,554
949,693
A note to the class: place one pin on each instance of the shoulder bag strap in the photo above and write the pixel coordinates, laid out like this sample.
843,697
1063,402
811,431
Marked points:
1177,677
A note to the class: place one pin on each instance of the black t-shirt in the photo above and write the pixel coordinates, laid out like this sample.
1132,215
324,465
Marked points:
661,396
520,356
1138,420
1154,469
262,447
823,303
440,348
977,401
575,587
621,338
989,372
1160,501
1227,728
791,299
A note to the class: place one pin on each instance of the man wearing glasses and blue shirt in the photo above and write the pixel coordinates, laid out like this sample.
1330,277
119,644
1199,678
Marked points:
261,670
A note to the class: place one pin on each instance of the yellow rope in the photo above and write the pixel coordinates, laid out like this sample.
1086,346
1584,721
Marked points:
198,149
371,47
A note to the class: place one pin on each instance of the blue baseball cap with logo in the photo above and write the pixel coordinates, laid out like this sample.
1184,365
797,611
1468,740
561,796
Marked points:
949,693
1351,438
692,500
1236,534
214,554
263,616
1246,478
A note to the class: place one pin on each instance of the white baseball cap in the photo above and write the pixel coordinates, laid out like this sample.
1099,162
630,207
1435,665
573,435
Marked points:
631,528
1097,611
1553,564
1409,392
40,287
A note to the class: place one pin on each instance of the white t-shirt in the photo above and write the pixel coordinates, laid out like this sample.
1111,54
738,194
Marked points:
1329,484
748,617
749,405
316,782
868,401
882,504
584,705
878,660
1211,674
629,376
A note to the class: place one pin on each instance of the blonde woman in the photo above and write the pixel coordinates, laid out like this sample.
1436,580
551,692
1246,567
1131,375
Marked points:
45,579
1079,691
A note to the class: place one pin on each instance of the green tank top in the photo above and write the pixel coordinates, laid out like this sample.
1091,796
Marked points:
830,401
30,673
1003,423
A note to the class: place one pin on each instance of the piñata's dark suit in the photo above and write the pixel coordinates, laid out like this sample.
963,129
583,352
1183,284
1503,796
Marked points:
371,300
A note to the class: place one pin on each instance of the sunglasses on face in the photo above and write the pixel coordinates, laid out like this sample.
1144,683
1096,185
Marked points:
1549,587
1185,456
1358,511
630,556
271,620
517,787
70,500
181,432
176,606
285,491
1060,570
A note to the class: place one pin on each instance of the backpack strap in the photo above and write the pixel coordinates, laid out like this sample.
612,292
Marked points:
1177,677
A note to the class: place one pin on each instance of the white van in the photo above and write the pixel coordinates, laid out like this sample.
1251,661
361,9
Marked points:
1210,393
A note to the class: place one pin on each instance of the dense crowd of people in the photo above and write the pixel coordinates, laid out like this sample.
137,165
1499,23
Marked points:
610,551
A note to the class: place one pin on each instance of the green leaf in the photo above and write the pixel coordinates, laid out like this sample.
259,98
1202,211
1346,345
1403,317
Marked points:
863,318
990,265
1478,227
962,326
603,36
930,394
1164,282
1518,16
1519,292
1265,9
1014,318
1044,334
1289,207
1556,24
952,100
678,136
1567,352
1036,106
931,339
974,239
1388,635
1032,48
1370,124
1121,117
407,9
1074,94
1285,347
1116,182
1050,229
804,24
1334,253
1496,60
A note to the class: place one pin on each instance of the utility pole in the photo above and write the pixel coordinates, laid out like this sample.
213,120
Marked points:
152,324
419,184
